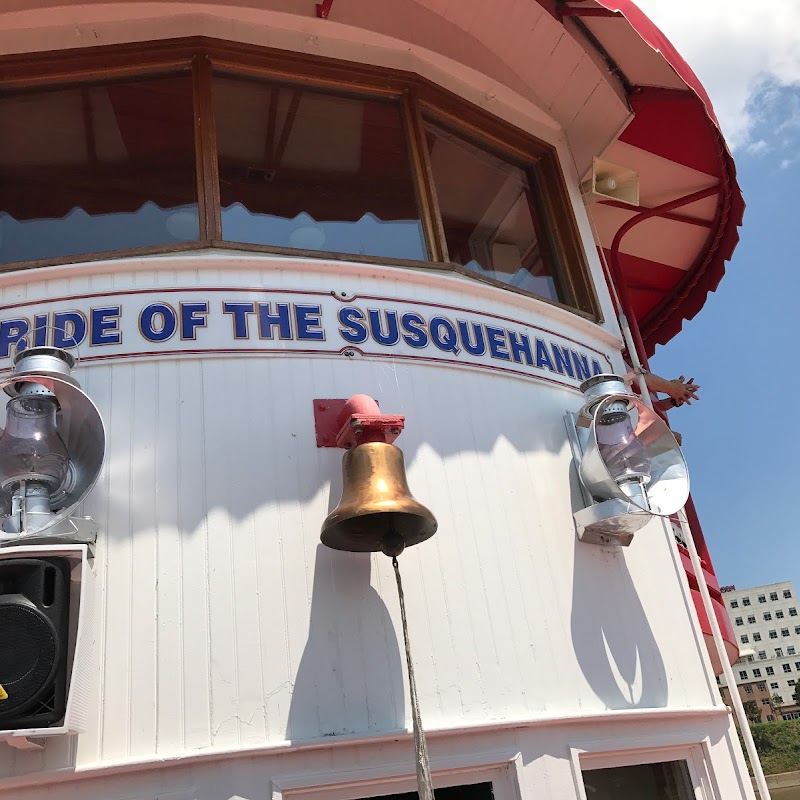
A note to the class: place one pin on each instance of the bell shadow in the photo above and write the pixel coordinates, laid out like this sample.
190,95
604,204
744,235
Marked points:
612,638
350,677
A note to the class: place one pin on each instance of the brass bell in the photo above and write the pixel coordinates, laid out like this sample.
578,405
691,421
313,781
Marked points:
377,510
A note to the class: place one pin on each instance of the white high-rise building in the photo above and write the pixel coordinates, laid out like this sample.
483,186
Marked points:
766,621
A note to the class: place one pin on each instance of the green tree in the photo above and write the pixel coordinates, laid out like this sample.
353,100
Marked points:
775,703
752,711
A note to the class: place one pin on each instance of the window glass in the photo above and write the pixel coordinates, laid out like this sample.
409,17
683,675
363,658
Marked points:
770,670
762,654
746,601
489,214
748,689
779,615
773,595
309,170
95,168
787,593
787,667
745,639
751,620
756,637
668,780
761,687
756,673
739,621
734,604
762,598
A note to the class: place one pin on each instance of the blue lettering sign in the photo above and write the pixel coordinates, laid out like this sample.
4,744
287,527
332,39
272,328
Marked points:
158,322
105,325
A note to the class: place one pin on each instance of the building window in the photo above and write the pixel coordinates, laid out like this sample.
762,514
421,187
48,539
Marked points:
762,655
745,601
790,651
762,598
797,665
756,637
792,612
787,667
668,780
778,652
779,615
767,616
745,639
739,621
784,631
748,689
773,595
791,682
787,593
743,674
765,701
770,671
762,687
756,673
797,629
751,619
267,152
773,686
773,634
734,604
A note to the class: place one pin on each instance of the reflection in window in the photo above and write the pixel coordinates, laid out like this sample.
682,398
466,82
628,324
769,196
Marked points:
473,791
668,780
309,170
97,168
488,214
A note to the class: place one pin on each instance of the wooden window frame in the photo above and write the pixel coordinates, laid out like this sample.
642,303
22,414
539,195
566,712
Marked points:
418,98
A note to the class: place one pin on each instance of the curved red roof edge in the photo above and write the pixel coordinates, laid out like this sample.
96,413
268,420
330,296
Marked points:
689,296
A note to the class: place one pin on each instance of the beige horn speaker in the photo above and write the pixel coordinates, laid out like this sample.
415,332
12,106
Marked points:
612,182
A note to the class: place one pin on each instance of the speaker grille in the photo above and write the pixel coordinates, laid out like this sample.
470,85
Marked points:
28,655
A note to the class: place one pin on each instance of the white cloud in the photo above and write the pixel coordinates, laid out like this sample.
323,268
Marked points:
786,163
736,47
758,148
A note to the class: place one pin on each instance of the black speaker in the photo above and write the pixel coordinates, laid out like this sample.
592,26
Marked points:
34,632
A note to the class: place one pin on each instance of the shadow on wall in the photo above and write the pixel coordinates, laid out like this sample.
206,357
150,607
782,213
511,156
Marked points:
350,677
614,644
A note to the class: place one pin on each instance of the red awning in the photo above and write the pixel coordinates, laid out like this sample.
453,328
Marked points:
670,261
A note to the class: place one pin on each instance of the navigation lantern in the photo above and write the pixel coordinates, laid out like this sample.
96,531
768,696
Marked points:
51,449
629,463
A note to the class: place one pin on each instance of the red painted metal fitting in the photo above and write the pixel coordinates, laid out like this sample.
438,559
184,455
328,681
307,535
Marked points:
324,8
349,423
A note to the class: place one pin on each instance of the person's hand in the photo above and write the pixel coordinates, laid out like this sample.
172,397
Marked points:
683,391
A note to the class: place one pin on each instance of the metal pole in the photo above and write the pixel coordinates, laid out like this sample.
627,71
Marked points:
744,725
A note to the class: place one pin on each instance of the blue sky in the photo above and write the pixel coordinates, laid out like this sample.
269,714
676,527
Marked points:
740,439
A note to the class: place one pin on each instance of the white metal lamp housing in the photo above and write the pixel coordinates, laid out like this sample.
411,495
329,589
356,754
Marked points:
51,449
630,465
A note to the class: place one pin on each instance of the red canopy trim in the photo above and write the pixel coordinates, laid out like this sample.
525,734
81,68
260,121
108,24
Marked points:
678,125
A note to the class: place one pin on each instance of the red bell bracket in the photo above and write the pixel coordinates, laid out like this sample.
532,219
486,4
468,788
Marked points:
349,423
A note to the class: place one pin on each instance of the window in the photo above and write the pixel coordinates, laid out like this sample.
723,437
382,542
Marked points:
739,621
343,160
792,612
765,700
791,681
745,639
773,686
762,654
797,665
770,671
762,598
748,689
756,637
790,651
69,191
751,619
743,674
778,652
784,631
756,673
750,659
770,718
773,595
734,604
767,616
312,170
797,629
787,593
668,780
779,615
787,667
745,601
762,687
773,634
